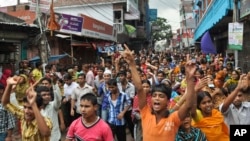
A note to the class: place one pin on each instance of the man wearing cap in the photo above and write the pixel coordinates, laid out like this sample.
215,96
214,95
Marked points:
102,95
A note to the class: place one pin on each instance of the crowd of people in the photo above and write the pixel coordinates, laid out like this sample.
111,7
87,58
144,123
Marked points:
155,95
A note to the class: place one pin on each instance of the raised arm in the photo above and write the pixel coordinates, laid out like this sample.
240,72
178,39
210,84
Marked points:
241,85
41,123
128,56
11,81
57,97
103,62
190,96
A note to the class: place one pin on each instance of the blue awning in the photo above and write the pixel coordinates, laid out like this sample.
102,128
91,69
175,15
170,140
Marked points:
51,58
217,10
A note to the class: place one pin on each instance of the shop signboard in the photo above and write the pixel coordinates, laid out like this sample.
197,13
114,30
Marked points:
71,24
152,14
97,29
26,15
235,36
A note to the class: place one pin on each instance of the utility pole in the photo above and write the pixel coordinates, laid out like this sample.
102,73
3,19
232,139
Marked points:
236,19
41,39
185,24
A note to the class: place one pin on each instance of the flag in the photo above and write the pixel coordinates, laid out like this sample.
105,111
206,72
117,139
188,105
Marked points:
52,23
130,29
207,45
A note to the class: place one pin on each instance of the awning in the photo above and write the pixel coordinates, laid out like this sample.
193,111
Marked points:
51,58
217,10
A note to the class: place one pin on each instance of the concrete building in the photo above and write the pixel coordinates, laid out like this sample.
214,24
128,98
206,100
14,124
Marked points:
85,26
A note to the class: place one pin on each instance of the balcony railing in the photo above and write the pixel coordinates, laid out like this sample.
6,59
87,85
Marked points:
119,27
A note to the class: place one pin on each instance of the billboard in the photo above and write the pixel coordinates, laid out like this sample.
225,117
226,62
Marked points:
235,36
152,14
97,29
68,23
71,24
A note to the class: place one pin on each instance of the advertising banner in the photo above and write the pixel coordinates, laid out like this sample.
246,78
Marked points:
68,23
71,24
97,29
235,36
152,14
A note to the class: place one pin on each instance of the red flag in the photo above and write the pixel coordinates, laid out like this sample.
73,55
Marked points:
52,23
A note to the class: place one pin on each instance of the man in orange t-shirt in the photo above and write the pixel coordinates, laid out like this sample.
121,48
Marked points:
157,123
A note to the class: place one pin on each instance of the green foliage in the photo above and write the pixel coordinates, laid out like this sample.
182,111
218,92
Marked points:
164,30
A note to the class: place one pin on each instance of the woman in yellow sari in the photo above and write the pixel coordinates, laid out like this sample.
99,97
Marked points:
208,119
21,88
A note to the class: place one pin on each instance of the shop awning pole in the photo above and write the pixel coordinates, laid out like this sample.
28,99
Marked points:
72,51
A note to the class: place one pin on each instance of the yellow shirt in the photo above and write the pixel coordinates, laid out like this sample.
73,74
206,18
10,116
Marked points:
30,130
37,74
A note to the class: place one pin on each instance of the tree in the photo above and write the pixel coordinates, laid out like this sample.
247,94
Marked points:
161,30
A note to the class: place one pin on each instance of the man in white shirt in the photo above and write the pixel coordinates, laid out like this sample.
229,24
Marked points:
82,89
68,87
50,108
234,108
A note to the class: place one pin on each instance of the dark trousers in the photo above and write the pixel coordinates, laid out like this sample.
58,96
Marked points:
129,122
119,132
66,113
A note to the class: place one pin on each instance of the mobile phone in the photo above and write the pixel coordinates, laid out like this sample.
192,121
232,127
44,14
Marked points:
211,85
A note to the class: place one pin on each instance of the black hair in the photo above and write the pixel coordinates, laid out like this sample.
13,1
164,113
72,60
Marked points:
203,61
67,76
200,97
81,74
112,82
200,71
161,72
61,81
39,100
46,79
146,81
40,89
164,89
101,68
38,64
90,97
122,73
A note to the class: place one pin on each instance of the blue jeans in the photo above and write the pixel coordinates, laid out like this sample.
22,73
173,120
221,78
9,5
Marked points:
104,114
3,136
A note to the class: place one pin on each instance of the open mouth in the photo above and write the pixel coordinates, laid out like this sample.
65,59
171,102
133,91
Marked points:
156,105
208,109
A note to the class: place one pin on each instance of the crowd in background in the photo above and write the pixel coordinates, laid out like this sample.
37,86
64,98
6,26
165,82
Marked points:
101,100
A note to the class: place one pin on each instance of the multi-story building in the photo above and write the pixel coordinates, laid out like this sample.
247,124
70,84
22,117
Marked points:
214,16
187,25
86,25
